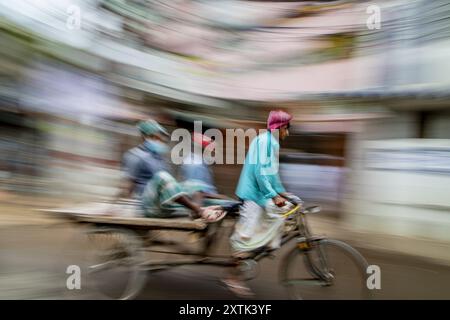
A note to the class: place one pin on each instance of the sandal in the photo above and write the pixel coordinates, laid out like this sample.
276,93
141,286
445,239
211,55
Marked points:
238,288
213,214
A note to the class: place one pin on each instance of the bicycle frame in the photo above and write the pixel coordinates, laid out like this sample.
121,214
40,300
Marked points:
301,232
307,245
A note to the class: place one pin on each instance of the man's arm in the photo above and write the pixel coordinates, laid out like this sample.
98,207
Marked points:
263,181
269,192
195,208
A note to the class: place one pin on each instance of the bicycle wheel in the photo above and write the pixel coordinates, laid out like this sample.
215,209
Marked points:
114,262
331,269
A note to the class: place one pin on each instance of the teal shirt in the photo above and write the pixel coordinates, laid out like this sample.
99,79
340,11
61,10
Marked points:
260,180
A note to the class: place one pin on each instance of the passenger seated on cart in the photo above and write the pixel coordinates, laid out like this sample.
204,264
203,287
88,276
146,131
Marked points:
148,179
264,198
197,175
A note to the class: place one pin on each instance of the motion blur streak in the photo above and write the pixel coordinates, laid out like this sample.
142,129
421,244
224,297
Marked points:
369,141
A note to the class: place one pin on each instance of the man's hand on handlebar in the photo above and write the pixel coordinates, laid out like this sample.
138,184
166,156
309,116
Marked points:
279,201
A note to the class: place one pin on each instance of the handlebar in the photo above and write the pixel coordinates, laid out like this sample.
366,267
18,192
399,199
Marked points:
291,211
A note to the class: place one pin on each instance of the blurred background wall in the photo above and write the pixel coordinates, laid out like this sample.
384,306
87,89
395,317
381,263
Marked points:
370,136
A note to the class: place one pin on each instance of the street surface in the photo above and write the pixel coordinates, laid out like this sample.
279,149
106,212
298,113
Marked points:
34,259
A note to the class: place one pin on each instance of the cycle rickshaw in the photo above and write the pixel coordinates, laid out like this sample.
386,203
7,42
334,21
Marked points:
124,243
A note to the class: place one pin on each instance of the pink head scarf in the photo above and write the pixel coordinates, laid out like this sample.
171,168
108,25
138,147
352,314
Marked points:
202,140
278,119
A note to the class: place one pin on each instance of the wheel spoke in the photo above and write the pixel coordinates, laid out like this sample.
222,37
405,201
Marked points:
115,268
337,271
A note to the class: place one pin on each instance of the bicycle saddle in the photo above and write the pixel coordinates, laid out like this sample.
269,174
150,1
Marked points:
232,207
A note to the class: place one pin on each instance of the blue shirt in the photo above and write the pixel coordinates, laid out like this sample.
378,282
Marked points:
140,164
260,180
196,169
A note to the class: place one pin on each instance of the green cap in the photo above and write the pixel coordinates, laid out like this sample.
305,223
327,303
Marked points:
151,127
